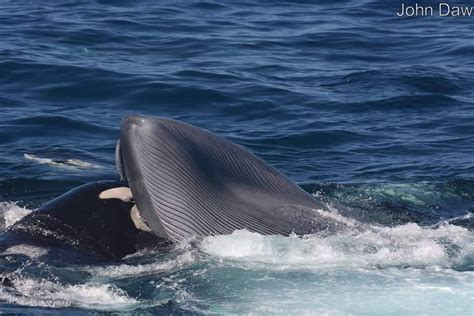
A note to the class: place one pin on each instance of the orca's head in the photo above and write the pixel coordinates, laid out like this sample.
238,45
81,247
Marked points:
94,218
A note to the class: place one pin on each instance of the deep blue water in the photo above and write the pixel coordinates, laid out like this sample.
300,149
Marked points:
372,113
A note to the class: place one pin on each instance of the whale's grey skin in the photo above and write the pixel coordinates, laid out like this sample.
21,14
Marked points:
81,221
187,181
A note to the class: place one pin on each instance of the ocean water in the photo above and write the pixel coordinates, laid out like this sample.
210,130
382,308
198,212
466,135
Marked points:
371,113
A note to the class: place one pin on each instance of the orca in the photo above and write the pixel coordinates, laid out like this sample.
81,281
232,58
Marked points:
187,181
96,219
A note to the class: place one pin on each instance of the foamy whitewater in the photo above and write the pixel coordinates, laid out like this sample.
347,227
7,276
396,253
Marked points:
407,269
67,163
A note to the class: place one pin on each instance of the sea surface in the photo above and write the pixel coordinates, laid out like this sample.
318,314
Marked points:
371,113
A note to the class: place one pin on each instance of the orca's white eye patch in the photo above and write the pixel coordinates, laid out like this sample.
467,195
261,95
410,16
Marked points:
121,193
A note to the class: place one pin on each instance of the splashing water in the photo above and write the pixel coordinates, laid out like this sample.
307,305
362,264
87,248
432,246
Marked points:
11,213
45,293
367,271
404,246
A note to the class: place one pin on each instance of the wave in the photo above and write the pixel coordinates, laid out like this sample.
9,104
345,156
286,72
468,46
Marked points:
44,293
200,275
129,270
390,204
68,163
408,245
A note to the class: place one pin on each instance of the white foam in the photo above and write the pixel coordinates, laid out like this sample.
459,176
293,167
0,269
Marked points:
406,245
126,270
334,215
10,212
30,251
404,270
45,293
362,270
259,309
461,217
68,163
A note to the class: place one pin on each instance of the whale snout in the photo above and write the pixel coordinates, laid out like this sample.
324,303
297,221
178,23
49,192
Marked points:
133,121
140,130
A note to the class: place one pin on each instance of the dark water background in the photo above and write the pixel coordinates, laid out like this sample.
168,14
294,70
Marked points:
365,109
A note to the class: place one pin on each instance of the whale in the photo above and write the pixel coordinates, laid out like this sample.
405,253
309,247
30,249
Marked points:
187,181
97,220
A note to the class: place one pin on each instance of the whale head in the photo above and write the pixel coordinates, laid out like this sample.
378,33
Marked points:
187,181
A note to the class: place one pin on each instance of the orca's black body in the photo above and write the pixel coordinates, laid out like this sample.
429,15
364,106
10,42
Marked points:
80,220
